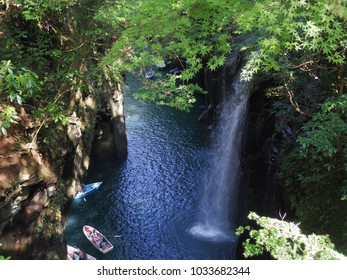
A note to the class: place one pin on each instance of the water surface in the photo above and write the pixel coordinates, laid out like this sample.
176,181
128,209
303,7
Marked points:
152,198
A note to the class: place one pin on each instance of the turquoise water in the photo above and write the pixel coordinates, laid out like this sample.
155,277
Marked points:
152,198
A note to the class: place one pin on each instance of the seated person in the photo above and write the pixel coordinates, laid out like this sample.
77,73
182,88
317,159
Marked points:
96,237
83,255
76,256
103,244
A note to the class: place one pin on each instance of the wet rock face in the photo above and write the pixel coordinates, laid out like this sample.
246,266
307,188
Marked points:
262,145
261,158
110,139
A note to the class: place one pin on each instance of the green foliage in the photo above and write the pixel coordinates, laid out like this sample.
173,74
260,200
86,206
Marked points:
284,241
193,33
62,42
18,85
7,117
15,86
302,44
286,27
111,18
277,36
314,171
2,258
30,40
37,9
170,92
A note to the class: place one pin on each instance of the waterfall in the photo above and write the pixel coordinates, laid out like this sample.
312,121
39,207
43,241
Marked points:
219,206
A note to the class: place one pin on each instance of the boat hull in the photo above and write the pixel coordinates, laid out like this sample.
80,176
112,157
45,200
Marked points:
88,190
102,244
74,253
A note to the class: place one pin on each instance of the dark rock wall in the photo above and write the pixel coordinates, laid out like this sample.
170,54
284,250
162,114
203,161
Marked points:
261,158
110,138
34,195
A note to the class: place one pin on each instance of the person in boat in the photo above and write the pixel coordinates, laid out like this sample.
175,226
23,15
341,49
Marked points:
103,244
96,237
83,255
83,188
94,234
76,255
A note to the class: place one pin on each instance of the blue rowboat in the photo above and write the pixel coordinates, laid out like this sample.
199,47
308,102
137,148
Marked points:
88,189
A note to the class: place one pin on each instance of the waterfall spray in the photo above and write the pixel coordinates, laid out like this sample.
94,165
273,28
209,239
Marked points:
218,209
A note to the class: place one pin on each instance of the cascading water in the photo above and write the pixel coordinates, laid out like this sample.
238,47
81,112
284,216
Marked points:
219,206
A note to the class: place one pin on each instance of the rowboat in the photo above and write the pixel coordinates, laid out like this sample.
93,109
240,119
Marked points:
98,240
75,253
88,189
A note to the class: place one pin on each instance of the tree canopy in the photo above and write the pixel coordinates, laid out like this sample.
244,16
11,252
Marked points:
277,35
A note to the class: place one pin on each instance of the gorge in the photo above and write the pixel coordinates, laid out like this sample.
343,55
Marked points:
246,114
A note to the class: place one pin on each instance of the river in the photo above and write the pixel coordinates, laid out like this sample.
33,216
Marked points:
148,203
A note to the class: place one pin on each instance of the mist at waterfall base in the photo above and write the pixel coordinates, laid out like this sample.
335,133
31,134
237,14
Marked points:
218,216
148,204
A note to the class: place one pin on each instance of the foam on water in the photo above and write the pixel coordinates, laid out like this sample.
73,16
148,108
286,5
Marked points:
211,233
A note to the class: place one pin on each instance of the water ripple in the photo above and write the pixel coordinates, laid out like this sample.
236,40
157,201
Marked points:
151,198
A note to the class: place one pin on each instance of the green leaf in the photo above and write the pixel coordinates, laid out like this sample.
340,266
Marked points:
4,131
19,99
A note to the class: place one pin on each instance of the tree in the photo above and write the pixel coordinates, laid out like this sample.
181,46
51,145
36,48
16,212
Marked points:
277,35
15,86
284,241
310,30
195,34
56,45
314,171
54,48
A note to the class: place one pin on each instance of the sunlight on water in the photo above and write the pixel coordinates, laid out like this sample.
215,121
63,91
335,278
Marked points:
151,197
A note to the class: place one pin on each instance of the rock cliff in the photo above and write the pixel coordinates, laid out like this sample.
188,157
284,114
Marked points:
35,188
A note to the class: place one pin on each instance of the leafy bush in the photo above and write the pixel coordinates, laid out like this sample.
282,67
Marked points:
314,172
2,257
284,241
15,86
